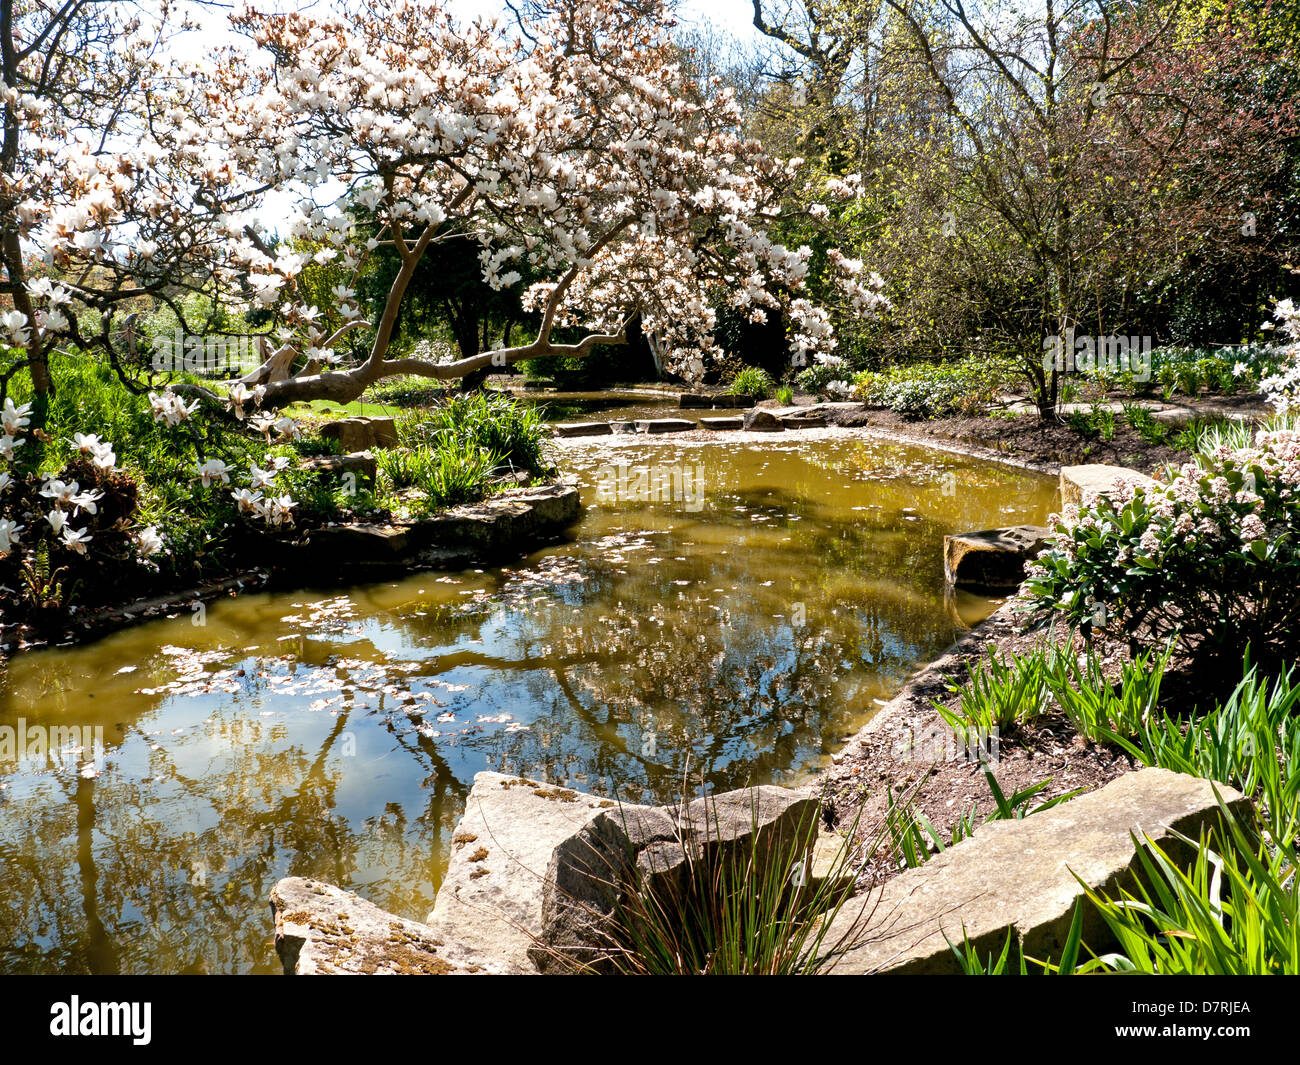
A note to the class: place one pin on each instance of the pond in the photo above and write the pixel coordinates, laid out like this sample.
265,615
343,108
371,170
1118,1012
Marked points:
734,615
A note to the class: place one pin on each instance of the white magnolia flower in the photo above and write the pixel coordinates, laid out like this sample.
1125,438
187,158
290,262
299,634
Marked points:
76,539
148,541
60,491
86,443
5,481
87,501
213,470
57,519
8,445
248,502
263,478
286,426
8,535
104,457
13,418
15,323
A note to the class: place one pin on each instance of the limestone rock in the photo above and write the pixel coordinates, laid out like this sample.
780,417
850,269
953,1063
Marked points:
719,424
802,417
361,464
656,848
1079,483
726,401
492,902
360,434
992,560
322,930
1019,876
694,401
759,420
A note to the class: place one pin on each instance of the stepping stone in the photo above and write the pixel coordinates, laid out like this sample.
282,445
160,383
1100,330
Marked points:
694,400
665,425
722,423
622,427
582,429
734,402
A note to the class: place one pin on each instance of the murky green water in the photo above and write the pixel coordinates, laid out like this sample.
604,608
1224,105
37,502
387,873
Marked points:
744,632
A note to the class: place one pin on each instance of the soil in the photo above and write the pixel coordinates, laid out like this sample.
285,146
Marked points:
1040,444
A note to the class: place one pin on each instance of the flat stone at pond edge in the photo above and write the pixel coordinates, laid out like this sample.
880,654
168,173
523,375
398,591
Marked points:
992,560
734,402
1018,876
759,420
361,434
694,401
582,429
492,901
801,417
719,424
322,930
1083,482
665,425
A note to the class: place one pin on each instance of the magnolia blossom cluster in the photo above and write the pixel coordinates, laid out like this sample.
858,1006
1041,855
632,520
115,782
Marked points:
67,500
274,510
1283,388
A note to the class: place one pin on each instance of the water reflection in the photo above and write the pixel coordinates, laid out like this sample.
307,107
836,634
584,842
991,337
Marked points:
335,735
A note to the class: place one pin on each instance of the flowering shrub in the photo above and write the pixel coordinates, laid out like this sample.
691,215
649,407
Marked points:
1282,389
1212,556
932,391
62,532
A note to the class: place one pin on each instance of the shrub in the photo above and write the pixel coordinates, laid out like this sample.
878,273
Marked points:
935,390
1213,556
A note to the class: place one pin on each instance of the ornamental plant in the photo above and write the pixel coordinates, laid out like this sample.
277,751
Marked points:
1210,557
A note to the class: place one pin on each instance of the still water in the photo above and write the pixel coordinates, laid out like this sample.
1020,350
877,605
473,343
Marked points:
741,631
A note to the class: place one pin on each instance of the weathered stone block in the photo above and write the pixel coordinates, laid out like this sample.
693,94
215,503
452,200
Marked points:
1018,876
992,560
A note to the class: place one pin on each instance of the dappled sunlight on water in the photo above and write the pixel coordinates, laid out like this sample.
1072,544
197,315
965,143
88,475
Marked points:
742,633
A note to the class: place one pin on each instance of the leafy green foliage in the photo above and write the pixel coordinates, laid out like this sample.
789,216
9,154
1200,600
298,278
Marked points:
933,390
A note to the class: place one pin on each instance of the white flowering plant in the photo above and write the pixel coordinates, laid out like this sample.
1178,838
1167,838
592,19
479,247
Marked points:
1210,556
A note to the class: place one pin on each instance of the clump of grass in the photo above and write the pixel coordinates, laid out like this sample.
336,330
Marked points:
998,694
747,909
1098,708
752,381
785,395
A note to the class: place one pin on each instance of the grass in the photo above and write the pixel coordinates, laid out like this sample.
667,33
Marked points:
1098,708
752,381
998,695
752,909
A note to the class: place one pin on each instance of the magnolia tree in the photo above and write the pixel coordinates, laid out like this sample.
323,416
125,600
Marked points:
574,146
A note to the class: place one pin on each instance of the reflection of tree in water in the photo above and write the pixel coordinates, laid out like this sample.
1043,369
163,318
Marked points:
644,678
96,878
